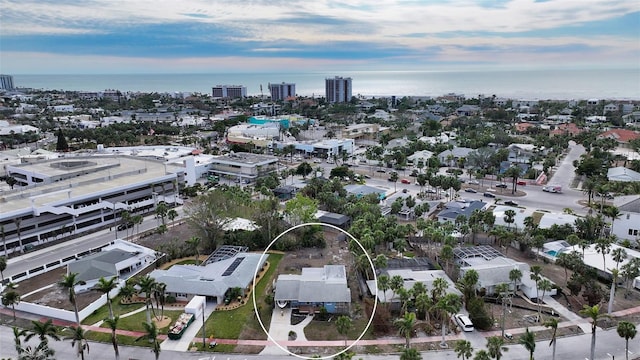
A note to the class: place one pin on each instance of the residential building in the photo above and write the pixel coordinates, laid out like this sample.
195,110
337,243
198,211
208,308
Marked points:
258,135
604,263
451,157
453,209
422,155
566,129
243,166
621,173
214,279
363,190
363,131
60,197
314,289
229,91
524,103
611,107
468,110
338,89
6,82
627,225
521,153
493,268
279,92
622,136
410,277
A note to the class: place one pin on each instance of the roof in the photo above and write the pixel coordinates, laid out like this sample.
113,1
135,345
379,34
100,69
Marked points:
621,173
326,284
484,251
212,279
495,271
410,277
454,209
356,189
333,218
594,259
549,219
102,264
456,152
621,135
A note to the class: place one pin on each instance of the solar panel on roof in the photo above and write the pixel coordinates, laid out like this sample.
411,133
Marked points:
232,267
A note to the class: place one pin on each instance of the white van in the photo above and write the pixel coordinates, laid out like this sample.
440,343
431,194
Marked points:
464,322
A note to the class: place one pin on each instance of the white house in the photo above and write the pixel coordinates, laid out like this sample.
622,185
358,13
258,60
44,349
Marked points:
627,226
595,260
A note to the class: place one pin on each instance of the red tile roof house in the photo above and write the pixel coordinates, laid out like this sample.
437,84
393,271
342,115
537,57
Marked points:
570,129
622,136
522,127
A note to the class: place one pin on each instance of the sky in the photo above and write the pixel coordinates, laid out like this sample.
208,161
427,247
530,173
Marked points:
209,36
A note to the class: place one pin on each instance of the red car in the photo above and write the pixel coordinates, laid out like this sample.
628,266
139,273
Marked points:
520,182
405,181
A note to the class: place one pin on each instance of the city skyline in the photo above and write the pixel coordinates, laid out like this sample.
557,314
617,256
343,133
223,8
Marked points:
194,36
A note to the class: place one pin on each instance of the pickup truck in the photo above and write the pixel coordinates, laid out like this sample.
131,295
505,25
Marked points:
556,189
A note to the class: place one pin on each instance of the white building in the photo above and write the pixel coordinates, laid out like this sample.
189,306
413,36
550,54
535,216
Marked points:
244,166
627,226
595,260
338,89
6,82
64,196
410,276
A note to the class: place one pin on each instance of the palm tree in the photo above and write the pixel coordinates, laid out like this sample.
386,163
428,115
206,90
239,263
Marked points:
127,291
343,325
528,340
482,355
78,337
3,267
194,243
535,275
159,294
106,286
147,283
553,324
410,354
515,275
394,177
509,217
514,173
17,334
44,331
619,255
612,292
424,304
603,246
151,335
495,347
405,326
69,282
112,322
463,349
592,312
17,222
627,331
449,304
544,285
11,298
383,285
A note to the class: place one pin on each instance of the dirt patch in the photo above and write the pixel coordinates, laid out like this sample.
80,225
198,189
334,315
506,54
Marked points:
163,322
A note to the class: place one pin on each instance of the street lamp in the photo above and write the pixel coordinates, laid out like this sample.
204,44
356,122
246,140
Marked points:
204,338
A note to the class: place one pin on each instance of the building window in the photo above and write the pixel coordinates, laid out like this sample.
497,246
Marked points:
635,232
630,231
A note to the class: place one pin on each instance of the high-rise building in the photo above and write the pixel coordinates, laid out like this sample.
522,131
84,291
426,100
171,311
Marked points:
229,91
6,82
282,91
338,89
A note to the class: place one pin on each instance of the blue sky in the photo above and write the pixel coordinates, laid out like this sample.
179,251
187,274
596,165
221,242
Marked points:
192,36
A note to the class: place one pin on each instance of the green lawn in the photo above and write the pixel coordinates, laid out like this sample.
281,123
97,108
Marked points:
229,324
135,321
122,339
324,330
186,262
103,312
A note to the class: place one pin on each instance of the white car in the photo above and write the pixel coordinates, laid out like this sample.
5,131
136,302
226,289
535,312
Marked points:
464,322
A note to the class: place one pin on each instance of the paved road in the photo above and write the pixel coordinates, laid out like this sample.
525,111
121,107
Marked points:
608,344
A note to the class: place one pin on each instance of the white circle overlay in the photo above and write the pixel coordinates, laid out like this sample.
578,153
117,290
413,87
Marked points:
255,275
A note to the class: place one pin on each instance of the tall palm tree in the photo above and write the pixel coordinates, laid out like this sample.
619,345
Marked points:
410,354
11,298
448,304
147,284
463,349
106,286
528,340
151,335
44,331
553,324
112,322
592,312
495,347
627,331
618,255
544,285
159,294
194,244
515,275
78,338
17,341
482,355
405,326
536,276
127,291
69,282
424,304
612,292
603,246
383,285
3,267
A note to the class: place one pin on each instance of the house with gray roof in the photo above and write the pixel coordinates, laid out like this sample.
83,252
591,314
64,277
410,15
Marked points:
362,190
313,289
212,280
120,259
453,209
621,173
410,277
451,157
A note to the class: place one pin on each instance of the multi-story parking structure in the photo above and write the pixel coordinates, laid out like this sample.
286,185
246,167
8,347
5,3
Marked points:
62,197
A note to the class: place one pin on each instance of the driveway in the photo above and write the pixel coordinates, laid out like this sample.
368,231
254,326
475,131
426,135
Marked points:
279,330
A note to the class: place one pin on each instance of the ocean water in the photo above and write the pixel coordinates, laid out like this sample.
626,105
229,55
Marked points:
532,84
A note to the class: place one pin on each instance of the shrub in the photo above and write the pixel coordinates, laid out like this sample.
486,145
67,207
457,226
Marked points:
478,314
171,299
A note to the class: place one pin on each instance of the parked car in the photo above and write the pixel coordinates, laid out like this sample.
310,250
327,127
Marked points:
511,203
488,195
381,171
470,190
404,191
464,322
521,182
125,226
405,181
473,182
504,186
